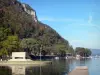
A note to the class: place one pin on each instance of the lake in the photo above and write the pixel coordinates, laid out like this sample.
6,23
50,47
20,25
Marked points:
58,67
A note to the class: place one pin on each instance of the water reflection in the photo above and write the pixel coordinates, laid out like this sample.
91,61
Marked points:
18,70
58,67
83,62
5,70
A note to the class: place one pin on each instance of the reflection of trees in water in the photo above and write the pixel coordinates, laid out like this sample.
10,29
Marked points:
58,67
5,70
83,62
71,63
33,70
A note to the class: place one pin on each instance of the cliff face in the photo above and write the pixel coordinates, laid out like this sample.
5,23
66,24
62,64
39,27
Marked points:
30,11
22,21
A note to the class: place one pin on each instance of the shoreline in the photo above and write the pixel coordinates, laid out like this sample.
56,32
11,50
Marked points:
33,63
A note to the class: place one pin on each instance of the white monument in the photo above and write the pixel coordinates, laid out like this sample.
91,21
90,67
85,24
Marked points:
19,56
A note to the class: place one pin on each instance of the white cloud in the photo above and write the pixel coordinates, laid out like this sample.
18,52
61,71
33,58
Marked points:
90,19
59,19
78,22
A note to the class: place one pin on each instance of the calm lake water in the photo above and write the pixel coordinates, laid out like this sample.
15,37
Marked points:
58,67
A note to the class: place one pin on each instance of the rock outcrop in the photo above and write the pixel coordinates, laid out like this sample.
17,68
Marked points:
30,11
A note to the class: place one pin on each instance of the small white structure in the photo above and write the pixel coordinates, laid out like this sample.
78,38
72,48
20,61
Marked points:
66,57
78,56
56,57
19,56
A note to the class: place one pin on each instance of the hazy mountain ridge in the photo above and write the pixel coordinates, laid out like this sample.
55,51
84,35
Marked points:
95,51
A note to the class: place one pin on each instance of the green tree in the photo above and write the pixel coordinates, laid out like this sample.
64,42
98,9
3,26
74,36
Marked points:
62,53
11,44
43,52
83,51
3,53
30,45
4,32
60,49
87,52
71,50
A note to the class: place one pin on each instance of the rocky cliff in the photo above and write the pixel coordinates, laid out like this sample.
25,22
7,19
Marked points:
30,11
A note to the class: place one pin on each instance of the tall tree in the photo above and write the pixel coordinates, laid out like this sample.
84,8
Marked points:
30,45
11,44
83,51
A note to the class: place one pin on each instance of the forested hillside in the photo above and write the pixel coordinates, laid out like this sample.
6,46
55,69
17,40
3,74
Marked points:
20,30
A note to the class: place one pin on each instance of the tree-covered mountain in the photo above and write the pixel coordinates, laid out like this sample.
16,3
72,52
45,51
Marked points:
84,52
20,30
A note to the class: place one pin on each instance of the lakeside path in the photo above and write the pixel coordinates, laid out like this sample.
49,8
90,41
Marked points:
81,70
33,63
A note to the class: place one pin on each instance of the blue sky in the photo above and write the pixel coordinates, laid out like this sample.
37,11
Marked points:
78,21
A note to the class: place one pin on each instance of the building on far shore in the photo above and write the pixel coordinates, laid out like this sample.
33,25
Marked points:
19,56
